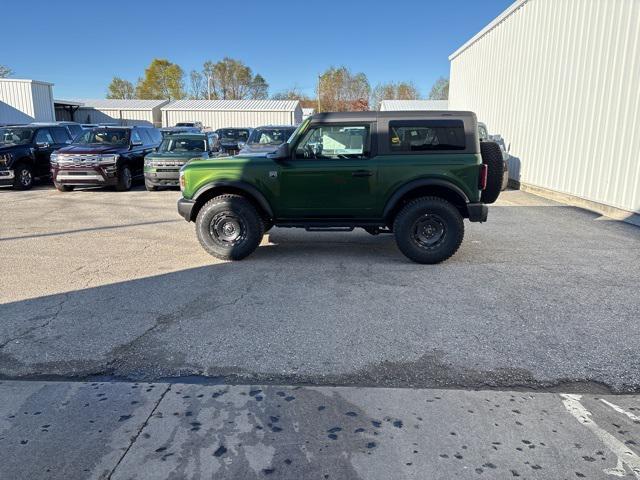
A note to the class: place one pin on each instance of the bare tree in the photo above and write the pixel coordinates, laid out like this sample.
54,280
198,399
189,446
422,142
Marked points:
197,85
440,89
5,71
394,91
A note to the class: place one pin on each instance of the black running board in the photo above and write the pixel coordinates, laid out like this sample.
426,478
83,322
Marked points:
329,229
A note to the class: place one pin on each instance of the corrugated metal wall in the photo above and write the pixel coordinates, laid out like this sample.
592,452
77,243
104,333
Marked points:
25,101
121,117
560,81
221,119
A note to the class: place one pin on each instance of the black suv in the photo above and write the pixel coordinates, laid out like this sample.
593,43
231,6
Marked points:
104,156
25,152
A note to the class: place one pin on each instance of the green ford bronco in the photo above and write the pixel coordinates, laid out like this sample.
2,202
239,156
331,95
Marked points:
414,174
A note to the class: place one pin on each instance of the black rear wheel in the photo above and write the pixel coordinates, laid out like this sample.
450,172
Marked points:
428,230
229,227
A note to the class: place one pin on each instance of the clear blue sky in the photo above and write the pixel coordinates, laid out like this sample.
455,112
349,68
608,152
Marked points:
81,45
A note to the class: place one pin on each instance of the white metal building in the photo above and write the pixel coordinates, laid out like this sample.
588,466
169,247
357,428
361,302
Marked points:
560,81
404,105
233,113
121,112
308,112
25,101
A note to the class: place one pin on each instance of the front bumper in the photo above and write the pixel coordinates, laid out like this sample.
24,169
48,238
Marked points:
6,177
185,207
169,177
478,212
99,175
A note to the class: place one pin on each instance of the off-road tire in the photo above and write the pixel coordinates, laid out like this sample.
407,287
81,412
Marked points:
426,214
492,158
150,187
23,179
125,179
221,218
63,188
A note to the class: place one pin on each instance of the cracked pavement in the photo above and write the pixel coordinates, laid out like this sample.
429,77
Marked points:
108,283
103,287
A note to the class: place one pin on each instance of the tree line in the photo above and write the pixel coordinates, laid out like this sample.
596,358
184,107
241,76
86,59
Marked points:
337,89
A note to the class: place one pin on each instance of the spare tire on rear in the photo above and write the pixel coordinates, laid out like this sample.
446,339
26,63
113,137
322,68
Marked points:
492,158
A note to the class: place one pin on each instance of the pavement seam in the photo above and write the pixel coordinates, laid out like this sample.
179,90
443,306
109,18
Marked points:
142,427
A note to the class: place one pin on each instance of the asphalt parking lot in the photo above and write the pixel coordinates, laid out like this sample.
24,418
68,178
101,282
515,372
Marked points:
102,283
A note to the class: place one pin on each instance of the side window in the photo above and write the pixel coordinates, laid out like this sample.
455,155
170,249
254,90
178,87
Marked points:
144,135
426,135
333,142
60,134
135,136
43,136
155,135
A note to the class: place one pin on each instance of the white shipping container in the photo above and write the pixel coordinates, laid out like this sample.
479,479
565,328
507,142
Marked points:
25,101
560,81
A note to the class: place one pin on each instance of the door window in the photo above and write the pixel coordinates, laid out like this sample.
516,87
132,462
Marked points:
43,136
135,137
333,142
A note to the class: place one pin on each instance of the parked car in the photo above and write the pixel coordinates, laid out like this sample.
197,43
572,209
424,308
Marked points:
177,130
414,174
266,139
162,166
485,137
104,156
230,137
25,152
197,125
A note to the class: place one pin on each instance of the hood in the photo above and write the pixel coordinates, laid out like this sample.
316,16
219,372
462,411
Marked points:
175,155
259,148
11,147
93,149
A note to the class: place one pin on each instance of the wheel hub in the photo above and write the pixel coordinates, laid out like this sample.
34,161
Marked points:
228,229
429,231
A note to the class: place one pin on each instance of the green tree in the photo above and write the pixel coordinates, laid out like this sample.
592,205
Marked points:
440,89
341,90
5,71
162,80
394,91
230,79
121,89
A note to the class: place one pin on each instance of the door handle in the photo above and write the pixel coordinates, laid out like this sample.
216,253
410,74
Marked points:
362,173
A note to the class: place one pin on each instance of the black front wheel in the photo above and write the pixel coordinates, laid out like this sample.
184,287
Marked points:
125,179
229,227
429,230
23,179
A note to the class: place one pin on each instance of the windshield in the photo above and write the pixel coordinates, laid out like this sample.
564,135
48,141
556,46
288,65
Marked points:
104,136
183,145
16,136
270,136
233,135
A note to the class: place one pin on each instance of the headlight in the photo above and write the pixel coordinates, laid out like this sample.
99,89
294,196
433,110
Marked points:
148,162
108,159
53,158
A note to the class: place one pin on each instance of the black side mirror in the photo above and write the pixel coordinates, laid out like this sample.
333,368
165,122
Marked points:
282,153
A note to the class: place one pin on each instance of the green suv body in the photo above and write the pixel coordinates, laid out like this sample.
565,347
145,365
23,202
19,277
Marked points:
347,170
161,167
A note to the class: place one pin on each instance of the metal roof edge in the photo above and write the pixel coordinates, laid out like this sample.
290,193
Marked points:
493,24
26,80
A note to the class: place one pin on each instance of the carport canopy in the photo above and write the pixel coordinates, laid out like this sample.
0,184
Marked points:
69,106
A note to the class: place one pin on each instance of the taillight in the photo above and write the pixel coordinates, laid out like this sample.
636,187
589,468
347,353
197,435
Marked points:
484,171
